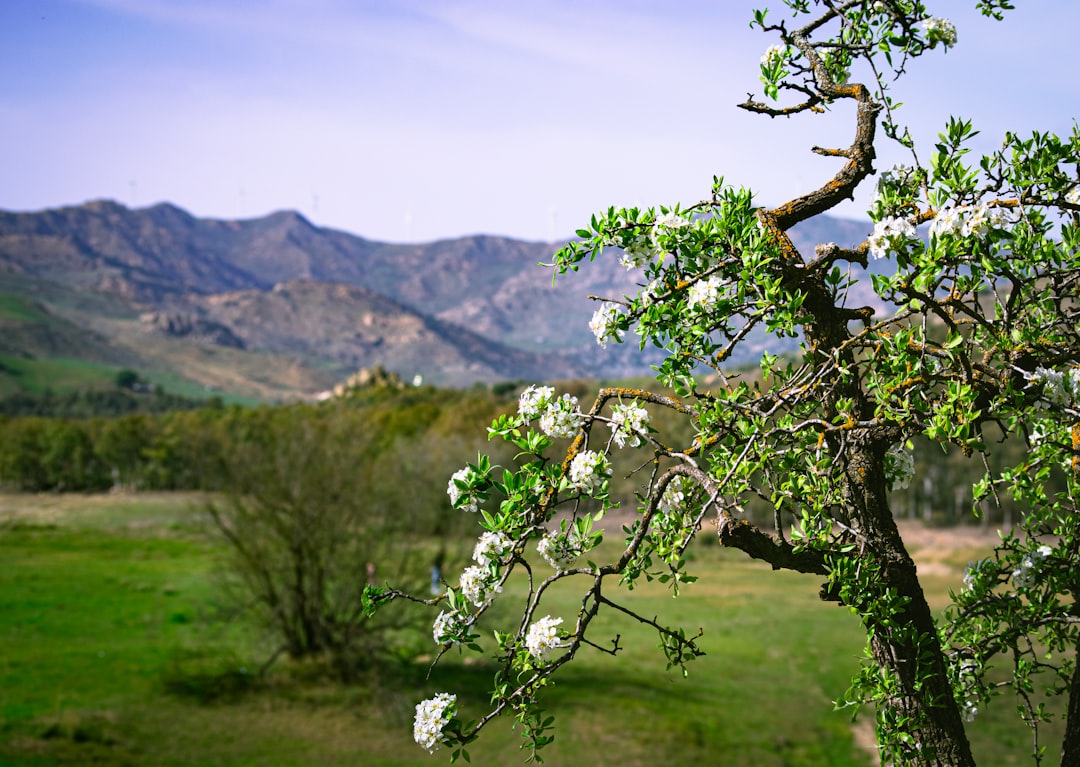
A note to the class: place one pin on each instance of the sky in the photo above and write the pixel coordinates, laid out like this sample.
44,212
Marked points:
417,120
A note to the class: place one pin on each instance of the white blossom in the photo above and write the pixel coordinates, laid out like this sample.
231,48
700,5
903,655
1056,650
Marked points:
971,220
432,716
534,400
479,585
1059,389
628,424
971,574
772,53
669,222
448,624
1024,575
949,220
939,30
492,548
704,294
605,324
899,467
650,292
561,418
637,253
674,499
471,501
890,234
1073,196
561,550
542,637
588,470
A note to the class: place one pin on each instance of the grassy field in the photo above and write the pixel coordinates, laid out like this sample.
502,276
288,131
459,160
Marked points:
114,635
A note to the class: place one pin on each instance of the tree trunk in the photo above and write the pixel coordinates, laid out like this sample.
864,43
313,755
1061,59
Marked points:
923,694
904,642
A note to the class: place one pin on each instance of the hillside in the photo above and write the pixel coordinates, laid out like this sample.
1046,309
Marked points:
276,307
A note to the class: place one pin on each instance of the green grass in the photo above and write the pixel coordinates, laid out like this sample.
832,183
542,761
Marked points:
20,308
56,373
106,599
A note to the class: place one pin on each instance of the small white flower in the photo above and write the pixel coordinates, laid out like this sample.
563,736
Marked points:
470,501
561,550
534,400
890,234
674,498
948,221
704,294
447,625
561,418
432,716
1073,196
772,53
628,424
588,470
1059,389
605,324
479,585
636,254
650,292
542,637
492,548
1024,575
969,711
669,222
939,30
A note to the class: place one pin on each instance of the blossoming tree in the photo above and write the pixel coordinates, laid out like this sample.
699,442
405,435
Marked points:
981,344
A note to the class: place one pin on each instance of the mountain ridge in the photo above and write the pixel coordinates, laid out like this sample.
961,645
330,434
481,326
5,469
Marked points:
453,311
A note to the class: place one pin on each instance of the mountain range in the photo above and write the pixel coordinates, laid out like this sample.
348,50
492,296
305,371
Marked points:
275,307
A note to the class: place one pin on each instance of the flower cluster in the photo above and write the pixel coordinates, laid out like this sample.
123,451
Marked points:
899,467
940,30
432,716
628,424
675,495
637,253
542,637
480,585
534,400
464,490
669,223
449,626
588,470
561,549
1059,389
1024,575
969,682
773,53
970,220
492,548
605,324
561,418
890,234
704,294
1073,196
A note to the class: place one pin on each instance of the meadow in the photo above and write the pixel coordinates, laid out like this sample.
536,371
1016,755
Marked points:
119,646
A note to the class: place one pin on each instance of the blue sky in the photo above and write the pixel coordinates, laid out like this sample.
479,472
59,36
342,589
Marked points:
413,120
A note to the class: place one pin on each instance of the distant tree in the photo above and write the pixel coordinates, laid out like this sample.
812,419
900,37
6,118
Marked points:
308,531
127,379
983,341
